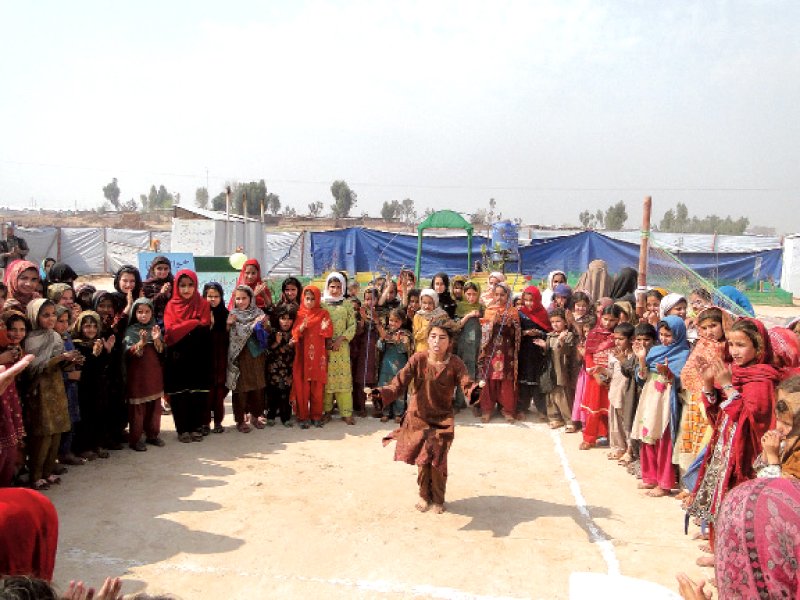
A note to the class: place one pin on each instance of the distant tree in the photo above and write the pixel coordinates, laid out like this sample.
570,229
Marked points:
427,213
289,211
678,221
315,209
201,197
390,210
480,217
130,206
143,202
586,218
615,216
152,198
218,202
112,192
272,203
344,199
407,212
598,218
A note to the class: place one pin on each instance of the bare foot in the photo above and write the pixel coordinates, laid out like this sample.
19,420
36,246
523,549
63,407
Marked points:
585,446
705,561
422,506
700,536
645,486
437,509
658,492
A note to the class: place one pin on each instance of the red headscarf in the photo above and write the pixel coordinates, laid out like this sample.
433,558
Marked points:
260,302
315,315
182,316
12,275
537,314
761,369
28,534
786,351
599,339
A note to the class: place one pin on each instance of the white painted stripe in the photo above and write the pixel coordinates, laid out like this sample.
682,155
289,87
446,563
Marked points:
596,534
84,558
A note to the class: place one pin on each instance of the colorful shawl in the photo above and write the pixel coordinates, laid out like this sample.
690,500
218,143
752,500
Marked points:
240,332
758,540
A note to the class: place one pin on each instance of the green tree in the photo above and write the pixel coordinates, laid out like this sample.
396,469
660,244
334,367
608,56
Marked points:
201,197
272,203
143,201
598,218
315,209
615,216
407,212
344,199
289,211
586,218
218,202
390,210
112,192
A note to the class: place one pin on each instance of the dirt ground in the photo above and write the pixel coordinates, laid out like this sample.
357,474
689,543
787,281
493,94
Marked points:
287,513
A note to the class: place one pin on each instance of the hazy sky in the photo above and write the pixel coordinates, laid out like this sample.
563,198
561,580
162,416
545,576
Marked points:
549,107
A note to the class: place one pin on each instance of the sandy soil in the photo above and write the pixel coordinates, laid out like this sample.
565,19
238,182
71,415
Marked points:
287,513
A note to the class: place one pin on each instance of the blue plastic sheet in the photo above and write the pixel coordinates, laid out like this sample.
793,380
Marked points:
357,249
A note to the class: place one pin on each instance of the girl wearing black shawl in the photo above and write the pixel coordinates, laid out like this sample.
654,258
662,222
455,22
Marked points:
158,285
60,273
441,285
291,290
624,285
215,296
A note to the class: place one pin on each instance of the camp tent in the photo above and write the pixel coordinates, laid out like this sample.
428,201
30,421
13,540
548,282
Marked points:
444,219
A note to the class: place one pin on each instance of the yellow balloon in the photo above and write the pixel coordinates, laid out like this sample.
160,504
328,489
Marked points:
237,260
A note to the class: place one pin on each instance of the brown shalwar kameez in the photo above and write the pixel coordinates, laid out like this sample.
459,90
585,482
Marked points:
427,430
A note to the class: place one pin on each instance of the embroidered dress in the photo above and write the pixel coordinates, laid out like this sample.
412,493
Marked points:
343,319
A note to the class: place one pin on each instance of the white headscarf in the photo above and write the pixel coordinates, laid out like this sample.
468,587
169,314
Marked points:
326,297
668,302
547,295
432,293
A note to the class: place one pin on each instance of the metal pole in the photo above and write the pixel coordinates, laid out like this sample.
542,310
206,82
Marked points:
643,250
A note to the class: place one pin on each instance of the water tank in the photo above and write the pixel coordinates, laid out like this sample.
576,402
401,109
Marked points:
505,236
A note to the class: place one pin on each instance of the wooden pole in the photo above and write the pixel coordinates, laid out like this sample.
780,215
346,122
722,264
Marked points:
643,249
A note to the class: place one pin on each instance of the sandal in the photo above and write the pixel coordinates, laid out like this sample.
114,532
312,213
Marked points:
71,459
486,418
570,428
555,424
88,455
156,442
139,446
349,420
197,436
258,422
585,446
615,454
40,485
185,437
243,427
290,424
53,479
218,429
103,453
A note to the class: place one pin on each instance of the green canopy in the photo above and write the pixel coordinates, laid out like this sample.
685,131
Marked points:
444,219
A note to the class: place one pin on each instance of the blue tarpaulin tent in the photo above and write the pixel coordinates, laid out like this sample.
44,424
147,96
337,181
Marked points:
358,249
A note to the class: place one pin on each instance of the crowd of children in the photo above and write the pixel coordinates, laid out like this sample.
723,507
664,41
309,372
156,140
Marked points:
685,388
